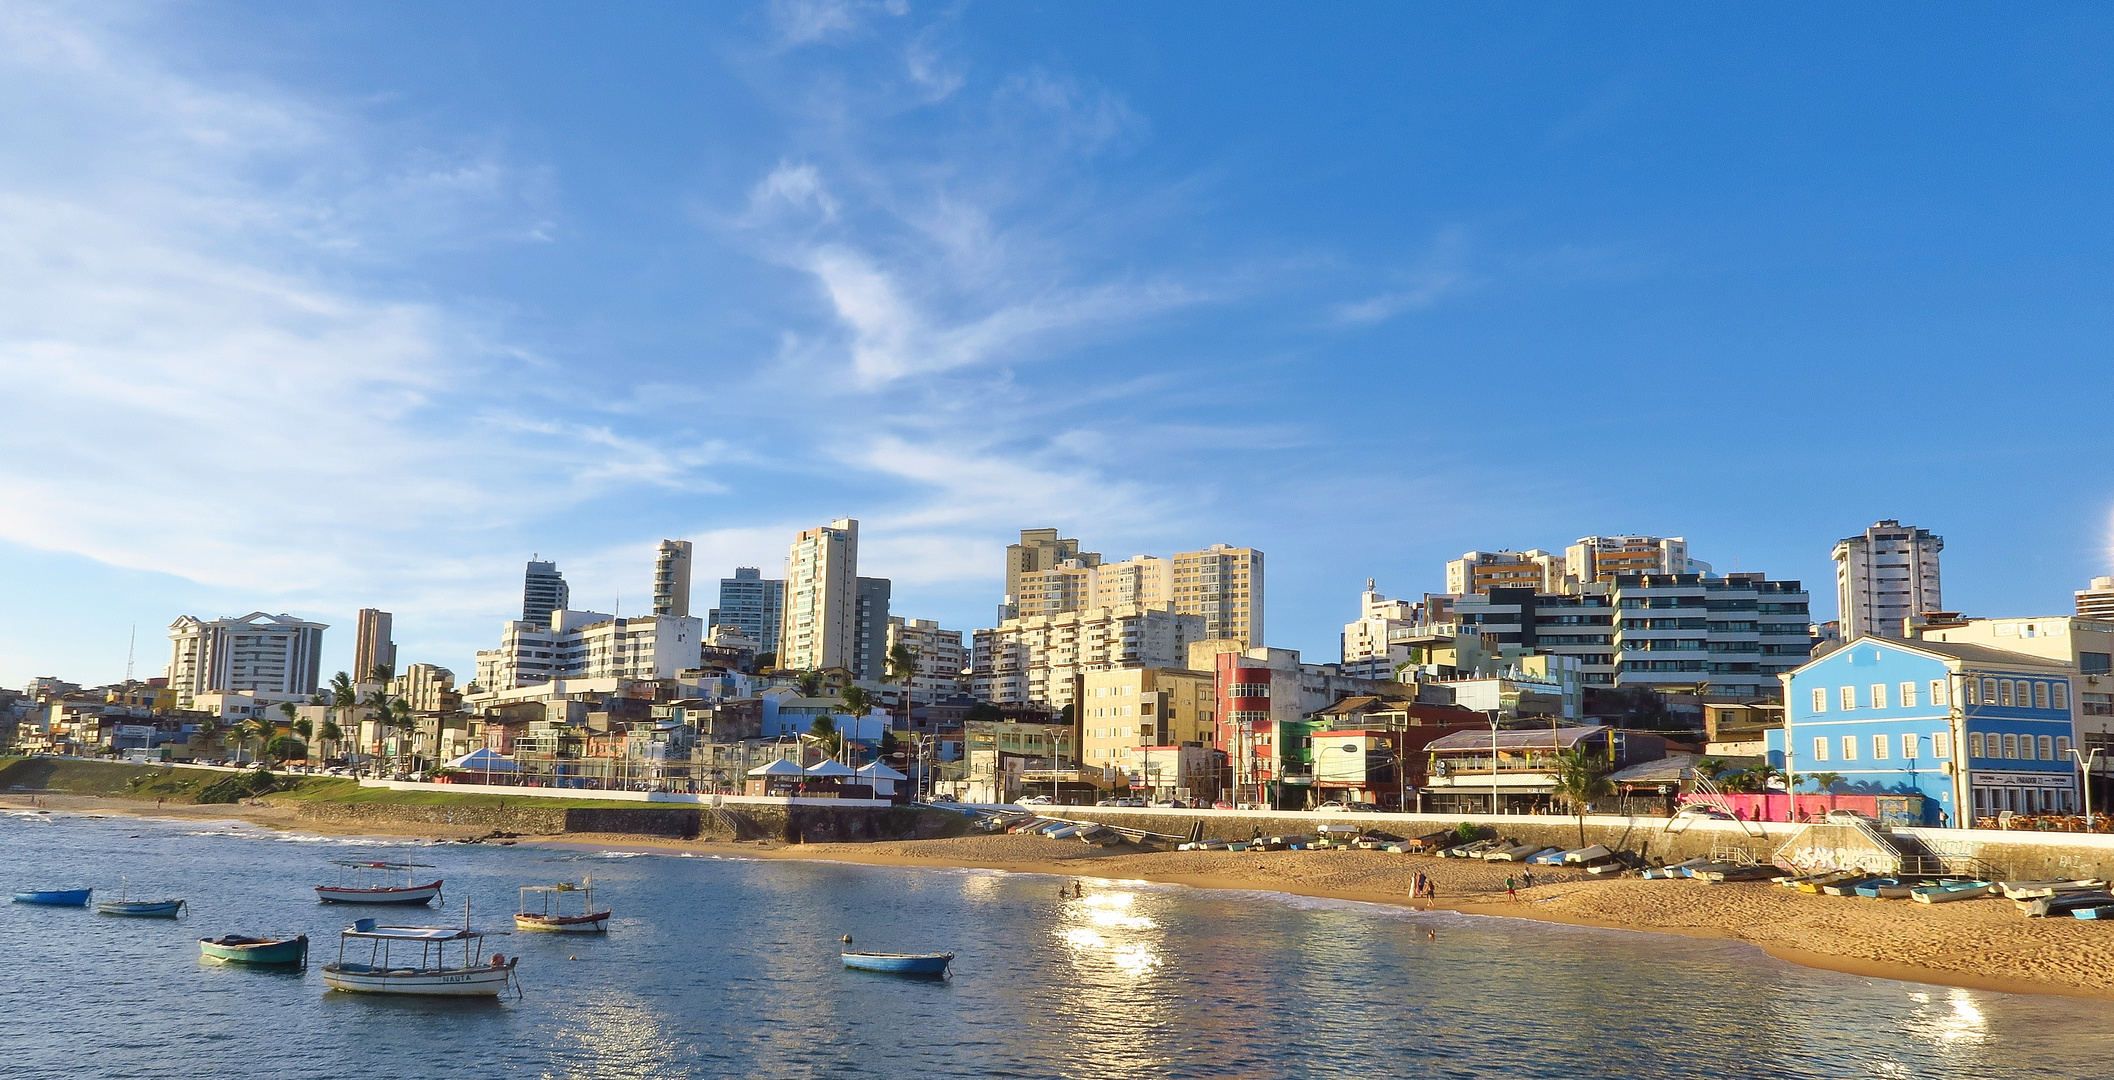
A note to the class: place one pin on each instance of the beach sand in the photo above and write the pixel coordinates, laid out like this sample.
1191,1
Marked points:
1979,944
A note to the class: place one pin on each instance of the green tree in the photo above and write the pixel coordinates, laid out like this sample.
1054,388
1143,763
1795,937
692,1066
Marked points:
342,697
330,733
400,720
826,736
809,682
261,729
285,747
1581,778
1824,783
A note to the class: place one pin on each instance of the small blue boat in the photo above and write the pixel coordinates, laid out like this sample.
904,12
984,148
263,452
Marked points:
55,897
2103,910
900,963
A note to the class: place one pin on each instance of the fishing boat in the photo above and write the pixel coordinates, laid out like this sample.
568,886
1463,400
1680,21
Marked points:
1847,886
553,917
152,909
261,951
1584,855
365,890
381,971
900,963
2098,911
1816,884
1870,889
54,897
1948,892
1900,890
2034,890
2043,907
1518,853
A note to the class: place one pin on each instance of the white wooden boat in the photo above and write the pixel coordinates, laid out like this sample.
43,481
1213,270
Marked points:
2034,890
552,918
1518,853
388,967
1584,855
370,884
1948,892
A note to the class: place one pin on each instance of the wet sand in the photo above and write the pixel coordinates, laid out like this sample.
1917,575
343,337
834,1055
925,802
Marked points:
1980,944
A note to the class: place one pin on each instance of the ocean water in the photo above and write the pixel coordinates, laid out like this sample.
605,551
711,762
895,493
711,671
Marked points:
729,967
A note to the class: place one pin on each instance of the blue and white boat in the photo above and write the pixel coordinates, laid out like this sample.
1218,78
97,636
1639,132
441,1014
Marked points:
900,963
54,897
151,909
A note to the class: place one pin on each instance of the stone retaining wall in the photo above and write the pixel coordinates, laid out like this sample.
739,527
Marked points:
795,824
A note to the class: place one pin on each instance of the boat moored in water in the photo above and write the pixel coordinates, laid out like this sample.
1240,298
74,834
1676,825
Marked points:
262,951
553,917
365,890
150,909
900,963
54,897
388,969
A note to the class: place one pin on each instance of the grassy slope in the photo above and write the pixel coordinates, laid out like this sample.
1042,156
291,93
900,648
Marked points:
178,784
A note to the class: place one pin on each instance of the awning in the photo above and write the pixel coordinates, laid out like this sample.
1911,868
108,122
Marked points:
830,767
483,759
877,770
778,767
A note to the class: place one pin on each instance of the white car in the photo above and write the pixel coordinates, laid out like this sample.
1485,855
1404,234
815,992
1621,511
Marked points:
1849,817
1333,807
1034,800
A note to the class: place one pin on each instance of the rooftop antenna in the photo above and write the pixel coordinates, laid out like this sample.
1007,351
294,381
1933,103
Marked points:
131,639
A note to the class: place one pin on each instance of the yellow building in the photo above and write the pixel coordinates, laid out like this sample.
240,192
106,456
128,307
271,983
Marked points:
1121,712
1225,586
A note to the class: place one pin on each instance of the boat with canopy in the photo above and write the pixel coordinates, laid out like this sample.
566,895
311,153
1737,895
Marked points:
553,917
388,967
370,884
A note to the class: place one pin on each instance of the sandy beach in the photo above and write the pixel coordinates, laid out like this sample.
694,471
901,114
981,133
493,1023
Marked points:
1981,944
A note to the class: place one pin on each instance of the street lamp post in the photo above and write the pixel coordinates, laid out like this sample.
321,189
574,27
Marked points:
1493,764
2084,765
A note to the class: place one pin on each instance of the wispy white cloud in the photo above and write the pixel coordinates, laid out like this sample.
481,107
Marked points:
1441,273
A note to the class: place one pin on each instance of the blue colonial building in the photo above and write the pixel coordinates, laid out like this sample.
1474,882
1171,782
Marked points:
1975,731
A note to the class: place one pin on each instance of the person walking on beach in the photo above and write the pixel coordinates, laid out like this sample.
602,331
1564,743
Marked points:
1528,876
1511,890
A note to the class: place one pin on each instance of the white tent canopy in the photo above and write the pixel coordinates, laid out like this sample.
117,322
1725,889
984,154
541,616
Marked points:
830,767
778,767
483,759
878,771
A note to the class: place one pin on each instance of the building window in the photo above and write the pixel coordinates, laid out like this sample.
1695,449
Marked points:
1820,700
1879,748
1820,748
2040,695
1989,691
2061,694
1908,747
2011,747
2047,745
2004,696
1849,698
1974,745
1908,695
1879,695
1973,698
2062,746
2095,663
1942,745
1849,748
1937,692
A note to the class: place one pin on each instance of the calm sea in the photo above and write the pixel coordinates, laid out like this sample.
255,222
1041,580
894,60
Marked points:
721,967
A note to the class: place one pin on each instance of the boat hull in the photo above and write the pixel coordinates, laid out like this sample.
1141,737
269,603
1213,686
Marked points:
144,909
55,897
900,964
572,924
441,982
258,951
1947,895
416,894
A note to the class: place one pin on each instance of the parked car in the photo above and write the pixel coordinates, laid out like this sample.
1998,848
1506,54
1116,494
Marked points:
1363,807
1848,817
1222,805
1711,813
1034,800
1332,807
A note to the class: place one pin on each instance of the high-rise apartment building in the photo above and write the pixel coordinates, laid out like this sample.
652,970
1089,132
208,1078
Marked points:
272,656
1037,659
1224,585
752,604
1884,576
543,590
372,649
938,659
1481,571
869,630
427,688
671,578
2097,602
1604,558
1367,639
821,598
1039,550
590,645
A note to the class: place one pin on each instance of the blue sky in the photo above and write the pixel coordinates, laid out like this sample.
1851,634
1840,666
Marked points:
315,307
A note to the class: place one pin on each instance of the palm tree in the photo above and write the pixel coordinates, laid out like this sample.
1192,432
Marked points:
261,728
858,703
902,663
342,697
1580,779
400,719
825,733
330,733
1825,782
809,682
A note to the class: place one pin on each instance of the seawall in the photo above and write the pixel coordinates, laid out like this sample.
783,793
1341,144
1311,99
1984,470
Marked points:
792,824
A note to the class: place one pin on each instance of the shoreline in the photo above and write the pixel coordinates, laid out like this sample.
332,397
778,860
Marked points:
1974,945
